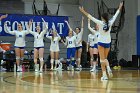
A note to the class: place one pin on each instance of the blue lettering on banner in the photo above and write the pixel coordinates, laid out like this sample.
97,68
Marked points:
13,19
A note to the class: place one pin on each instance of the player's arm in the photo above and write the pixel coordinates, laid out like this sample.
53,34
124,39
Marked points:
7,29
3,16
89,16
46,26
89,27
117,13
29,27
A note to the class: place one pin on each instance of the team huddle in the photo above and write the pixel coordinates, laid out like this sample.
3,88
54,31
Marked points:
98,43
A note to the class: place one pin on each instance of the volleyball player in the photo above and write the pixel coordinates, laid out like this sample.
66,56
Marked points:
19,44
38,45
79,33
104,39
54,48
71,48
93,43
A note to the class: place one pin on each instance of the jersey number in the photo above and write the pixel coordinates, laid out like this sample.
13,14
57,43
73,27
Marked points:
70,42
105,27
20,35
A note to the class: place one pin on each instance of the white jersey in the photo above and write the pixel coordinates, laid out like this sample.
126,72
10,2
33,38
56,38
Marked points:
78,38
20,37
38,38
54,42
91,39
71,42
104,36
95,33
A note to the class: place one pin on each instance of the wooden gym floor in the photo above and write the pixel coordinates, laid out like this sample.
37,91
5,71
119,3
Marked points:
124,81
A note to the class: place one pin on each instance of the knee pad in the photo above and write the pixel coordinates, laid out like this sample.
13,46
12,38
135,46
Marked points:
72,59
106,60
95,56
101,61
41,59
91,59
35,60
17,58
52,60
78,59
68,59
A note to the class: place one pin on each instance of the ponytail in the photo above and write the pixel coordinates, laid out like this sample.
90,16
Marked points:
105,17
107,26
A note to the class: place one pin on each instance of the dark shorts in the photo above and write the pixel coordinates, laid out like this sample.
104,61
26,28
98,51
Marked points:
95,46
77,48
38,48
19,47
105,45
